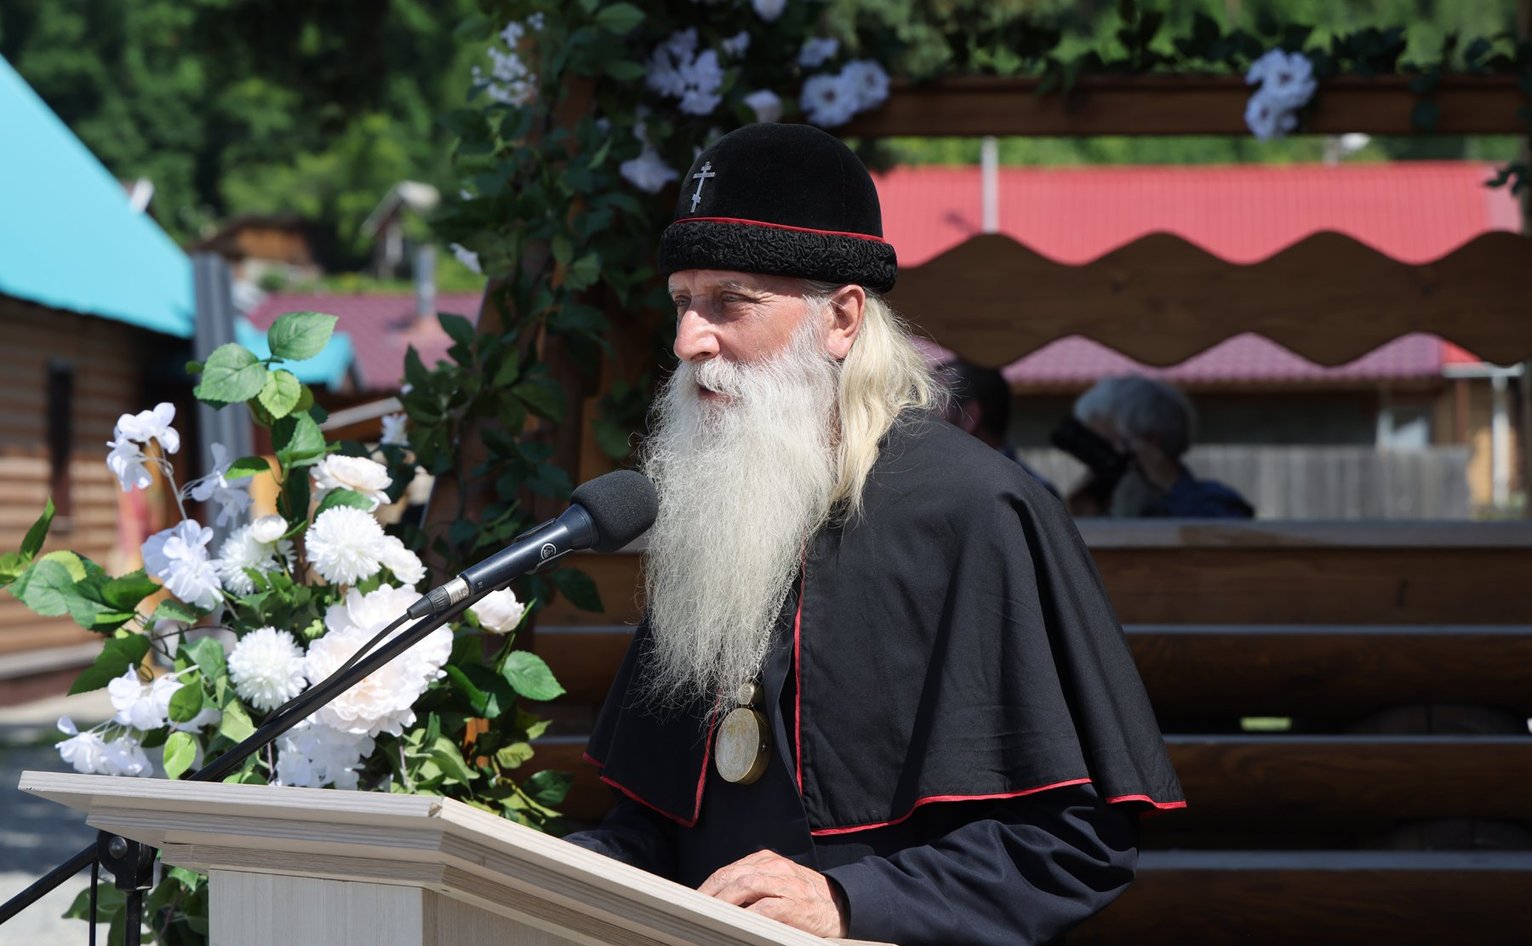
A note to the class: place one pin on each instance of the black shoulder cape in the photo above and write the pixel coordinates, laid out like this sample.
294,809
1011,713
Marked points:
953,643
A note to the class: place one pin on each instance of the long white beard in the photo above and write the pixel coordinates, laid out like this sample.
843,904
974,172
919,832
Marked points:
743,485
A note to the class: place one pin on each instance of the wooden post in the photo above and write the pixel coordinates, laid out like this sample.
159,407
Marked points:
1524,383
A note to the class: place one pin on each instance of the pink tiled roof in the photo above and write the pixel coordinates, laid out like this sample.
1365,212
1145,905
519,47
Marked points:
1414,212
381,326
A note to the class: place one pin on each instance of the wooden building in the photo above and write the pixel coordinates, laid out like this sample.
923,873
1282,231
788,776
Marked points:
95,312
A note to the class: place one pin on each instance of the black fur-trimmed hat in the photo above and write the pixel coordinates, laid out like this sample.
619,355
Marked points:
781,199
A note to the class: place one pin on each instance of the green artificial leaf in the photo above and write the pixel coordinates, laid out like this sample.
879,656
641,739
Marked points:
194,367
173,610
548,788
446,756
12,564
190,879
233,374
577,587
207,654
281,394
33,543
625,70
542,396
300,335
186,702
619,18
482,703
513,755
126,592
180,753
530,676
109,902
46,587
118,656
343,497
236,725
299,441
459,329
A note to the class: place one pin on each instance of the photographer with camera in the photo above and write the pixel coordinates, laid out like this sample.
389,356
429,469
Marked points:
1131,432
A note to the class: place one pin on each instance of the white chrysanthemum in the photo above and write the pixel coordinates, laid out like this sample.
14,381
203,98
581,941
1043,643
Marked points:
648,172
827,100
816,52
345,545
150,425
268,529
736,45
394,426
141,705
178,557
128,463
867,81
405,565
769,10
242,550
312,756
232,497
499,612
766,104
383,701
266,668
359,474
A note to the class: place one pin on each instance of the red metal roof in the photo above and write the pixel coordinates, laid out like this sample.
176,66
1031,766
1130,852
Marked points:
1413,211
381,326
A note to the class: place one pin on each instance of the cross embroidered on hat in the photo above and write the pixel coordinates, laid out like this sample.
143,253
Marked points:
786,200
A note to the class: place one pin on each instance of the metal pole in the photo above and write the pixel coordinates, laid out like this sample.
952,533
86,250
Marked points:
989,178
215,327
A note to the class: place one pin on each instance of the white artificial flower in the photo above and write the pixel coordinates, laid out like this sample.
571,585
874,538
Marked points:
1286,79
266,668
312,756
769,10
142,705
242,550
368,477
535,21
231,496
467,257
394,430
345,545
124,756
736,45
405,565
268,529
867,81
126,461
509,81
499,612
150,425
701,82
178,557
383,702
668,60
648,172
827,100
817,51
86,751
767,105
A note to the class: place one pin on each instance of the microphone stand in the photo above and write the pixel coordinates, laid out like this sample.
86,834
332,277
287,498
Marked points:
132,862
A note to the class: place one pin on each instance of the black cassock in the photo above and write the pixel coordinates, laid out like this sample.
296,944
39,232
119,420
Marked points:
961,739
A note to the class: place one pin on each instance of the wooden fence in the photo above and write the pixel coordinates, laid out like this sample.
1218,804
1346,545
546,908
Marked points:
1318,482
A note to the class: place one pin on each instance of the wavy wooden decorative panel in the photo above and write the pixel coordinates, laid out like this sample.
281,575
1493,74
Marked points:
1160,299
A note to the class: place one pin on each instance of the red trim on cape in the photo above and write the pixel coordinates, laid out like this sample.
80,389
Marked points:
798,681
707,754
1161,805
783,226
821,832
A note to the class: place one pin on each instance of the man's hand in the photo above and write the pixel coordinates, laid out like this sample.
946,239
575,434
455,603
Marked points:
771,885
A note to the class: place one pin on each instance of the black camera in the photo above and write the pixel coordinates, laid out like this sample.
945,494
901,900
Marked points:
1106,463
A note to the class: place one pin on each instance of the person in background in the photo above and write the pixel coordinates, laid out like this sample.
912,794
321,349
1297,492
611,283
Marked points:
1131,432
979,403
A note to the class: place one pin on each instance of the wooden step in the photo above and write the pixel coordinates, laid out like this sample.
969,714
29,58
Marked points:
1325,673
1320,898
1339,786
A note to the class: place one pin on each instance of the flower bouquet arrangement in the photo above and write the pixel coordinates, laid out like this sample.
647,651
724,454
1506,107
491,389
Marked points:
212,635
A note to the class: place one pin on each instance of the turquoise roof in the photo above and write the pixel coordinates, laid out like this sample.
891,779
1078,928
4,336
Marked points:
68,239
329,367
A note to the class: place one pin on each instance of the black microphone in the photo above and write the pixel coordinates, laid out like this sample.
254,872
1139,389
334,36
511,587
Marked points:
604,514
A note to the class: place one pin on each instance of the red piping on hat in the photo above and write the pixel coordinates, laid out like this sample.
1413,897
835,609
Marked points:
820,832
782,226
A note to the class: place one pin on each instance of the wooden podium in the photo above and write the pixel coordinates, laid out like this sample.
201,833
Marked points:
309,866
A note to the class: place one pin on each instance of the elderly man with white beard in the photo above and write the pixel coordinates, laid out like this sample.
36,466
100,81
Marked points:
878,691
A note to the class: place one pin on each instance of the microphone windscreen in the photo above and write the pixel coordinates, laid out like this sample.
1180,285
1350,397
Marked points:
622,504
